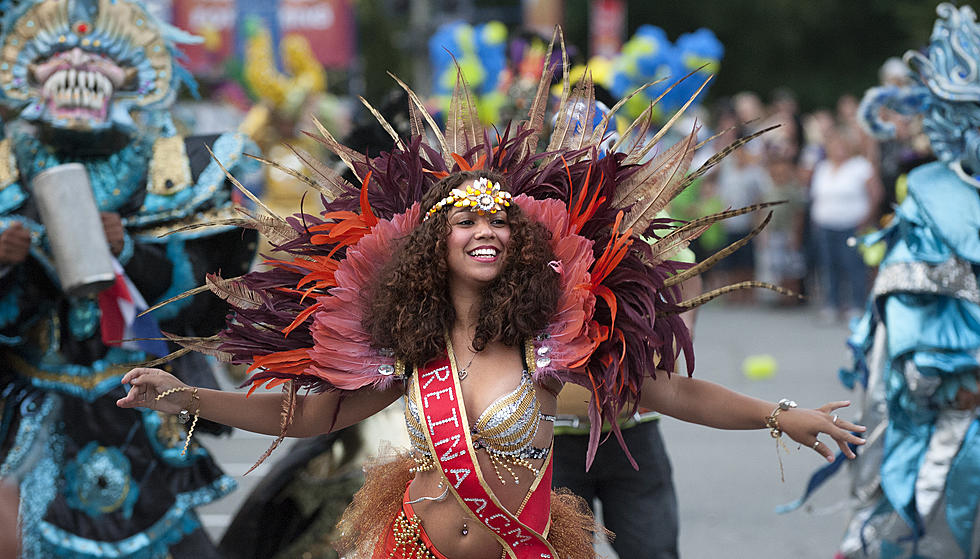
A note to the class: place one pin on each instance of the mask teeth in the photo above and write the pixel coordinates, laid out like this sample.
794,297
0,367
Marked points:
73,88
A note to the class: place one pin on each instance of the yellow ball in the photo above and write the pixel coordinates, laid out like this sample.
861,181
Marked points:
759,367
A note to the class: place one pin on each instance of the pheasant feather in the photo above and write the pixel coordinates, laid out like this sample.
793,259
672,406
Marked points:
383,122
446,152
463,128
350,157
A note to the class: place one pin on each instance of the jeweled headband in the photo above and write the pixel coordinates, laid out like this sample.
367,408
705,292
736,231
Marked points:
481,196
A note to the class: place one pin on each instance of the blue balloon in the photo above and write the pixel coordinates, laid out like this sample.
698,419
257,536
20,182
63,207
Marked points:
702,43
653,33
649,56
621,85
493,56
700,49
443,45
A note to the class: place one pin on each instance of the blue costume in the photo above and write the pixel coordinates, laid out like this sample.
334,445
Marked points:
92,81
917,480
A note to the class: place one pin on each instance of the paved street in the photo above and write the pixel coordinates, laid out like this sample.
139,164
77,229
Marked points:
727,482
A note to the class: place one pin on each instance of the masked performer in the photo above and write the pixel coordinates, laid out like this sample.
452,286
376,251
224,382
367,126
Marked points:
473,278
917,482
90,83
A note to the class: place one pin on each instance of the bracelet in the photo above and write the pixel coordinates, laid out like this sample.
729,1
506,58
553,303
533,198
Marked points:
772,422
184,415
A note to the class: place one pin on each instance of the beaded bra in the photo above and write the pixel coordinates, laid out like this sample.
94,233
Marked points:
505,430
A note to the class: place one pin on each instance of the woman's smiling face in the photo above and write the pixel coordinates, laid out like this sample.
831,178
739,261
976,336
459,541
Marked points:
477,245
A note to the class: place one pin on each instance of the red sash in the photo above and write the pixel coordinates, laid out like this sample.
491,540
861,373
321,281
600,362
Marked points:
447,431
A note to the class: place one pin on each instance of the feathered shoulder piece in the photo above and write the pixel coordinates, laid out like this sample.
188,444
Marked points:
298,323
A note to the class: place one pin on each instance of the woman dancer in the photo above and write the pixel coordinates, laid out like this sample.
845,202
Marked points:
475,277
468,289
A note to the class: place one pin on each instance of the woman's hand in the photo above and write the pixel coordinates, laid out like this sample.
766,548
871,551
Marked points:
805,425
147,384
115,234
15,244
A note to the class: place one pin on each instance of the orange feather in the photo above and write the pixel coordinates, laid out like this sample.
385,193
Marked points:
301,317
367,215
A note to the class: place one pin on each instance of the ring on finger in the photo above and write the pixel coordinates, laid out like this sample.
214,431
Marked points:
816,445
835,419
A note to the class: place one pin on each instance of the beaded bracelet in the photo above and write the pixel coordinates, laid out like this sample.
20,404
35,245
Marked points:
184,415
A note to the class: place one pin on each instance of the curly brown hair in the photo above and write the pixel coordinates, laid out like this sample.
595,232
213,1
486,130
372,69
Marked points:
411,311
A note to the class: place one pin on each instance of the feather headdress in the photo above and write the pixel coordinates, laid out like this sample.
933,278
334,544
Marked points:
299,323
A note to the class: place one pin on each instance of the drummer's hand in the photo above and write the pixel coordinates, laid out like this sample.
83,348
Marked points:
805,425
114,232
147,384
15,244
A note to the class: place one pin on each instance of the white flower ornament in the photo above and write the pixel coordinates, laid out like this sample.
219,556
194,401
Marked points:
482,195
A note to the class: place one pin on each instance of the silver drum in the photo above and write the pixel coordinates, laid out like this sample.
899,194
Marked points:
74,229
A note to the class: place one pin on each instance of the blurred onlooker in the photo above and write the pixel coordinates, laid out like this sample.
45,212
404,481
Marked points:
816,126
787,140
698,199
749,110
742,181
784,234
847,119
845,193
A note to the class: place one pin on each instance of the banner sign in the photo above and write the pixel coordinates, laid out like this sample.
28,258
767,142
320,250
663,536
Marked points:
328,25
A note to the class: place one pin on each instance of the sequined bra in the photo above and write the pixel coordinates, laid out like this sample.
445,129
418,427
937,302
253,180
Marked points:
505,430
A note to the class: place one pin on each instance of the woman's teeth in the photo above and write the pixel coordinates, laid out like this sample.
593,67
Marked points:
483,252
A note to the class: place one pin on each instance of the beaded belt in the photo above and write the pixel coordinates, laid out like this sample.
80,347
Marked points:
407,538
407,533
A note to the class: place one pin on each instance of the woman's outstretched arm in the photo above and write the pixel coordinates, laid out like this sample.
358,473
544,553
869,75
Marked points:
260,413
707,403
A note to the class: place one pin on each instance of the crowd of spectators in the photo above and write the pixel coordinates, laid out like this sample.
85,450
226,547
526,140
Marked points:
837,183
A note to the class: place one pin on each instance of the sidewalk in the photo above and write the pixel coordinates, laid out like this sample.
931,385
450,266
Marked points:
728,482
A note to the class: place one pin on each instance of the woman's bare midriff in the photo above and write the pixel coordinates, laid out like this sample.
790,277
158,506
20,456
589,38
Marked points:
445,521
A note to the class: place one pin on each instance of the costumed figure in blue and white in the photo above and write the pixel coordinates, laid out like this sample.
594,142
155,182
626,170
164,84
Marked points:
87,87
917,481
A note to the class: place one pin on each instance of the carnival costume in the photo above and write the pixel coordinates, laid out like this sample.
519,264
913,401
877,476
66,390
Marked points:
90,82
917,480
299,323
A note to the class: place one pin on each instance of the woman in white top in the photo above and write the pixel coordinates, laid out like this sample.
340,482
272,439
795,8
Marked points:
844,192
